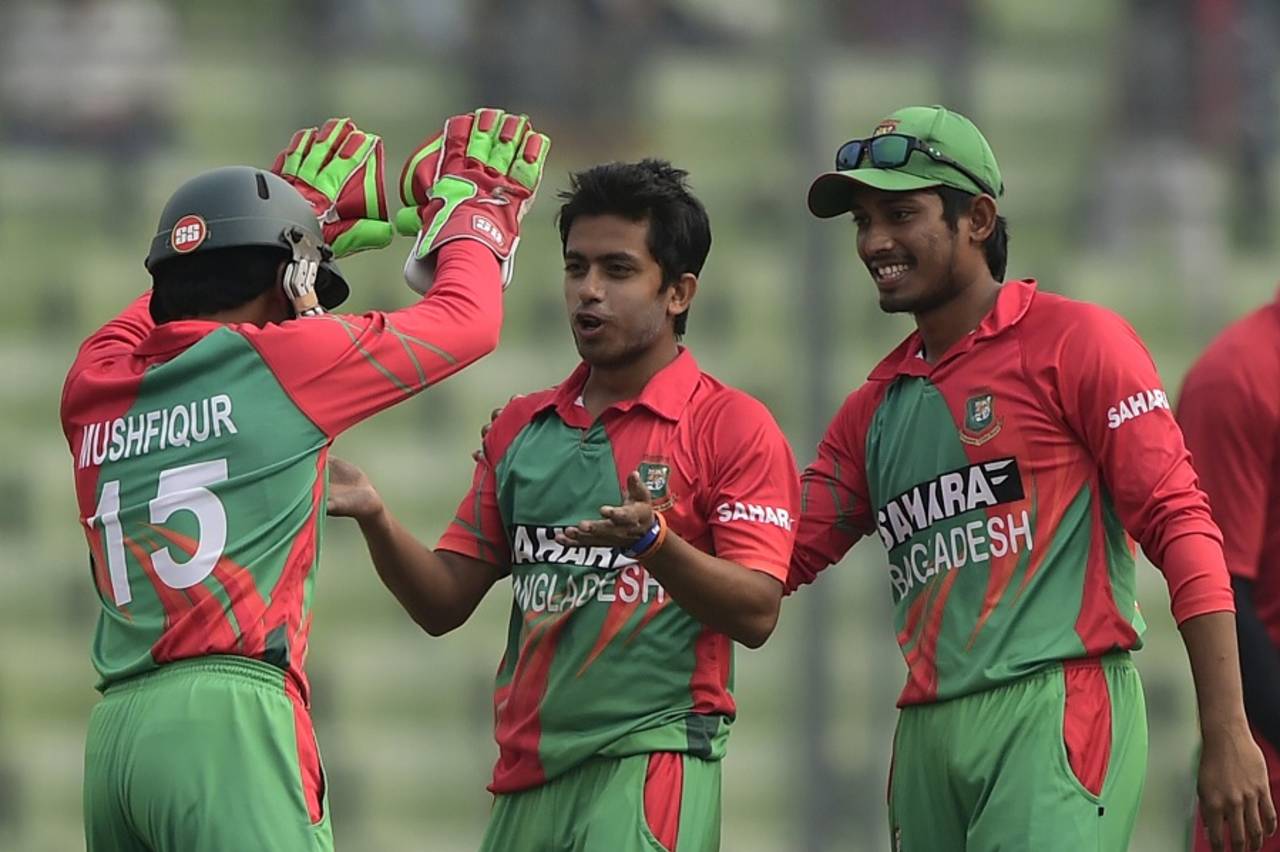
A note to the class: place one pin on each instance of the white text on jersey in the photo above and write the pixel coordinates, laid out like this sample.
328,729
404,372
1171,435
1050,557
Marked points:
1136,406
142,433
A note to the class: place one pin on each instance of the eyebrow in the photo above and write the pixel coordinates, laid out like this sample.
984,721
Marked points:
610,257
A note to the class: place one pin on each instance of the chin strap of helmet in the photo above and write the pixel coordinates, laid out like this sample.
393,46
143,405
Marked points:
301,273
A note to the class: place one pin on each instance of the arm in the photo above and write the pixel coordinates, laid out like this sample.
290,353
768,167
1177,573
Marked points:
481,170
1233,775
1230,416
727,597
743,459
1112,396
341,368
438,589
1259,665
835,509
119,336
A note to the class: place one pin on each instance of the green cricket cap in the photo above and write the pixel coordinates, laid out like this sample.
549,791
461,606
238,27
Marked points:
949,133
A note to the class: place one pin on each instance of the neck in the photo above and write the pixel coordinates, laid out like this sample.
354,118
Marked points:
258,311
608,385
943,326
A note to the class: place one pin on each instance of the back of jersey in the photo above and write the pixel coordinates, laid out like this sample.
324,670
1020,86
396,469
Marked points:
200,483
200,447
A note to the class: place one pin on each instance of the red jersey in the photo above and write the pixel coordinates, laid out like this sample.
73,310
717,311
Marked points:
1230,413
599,661
199,451
1004,481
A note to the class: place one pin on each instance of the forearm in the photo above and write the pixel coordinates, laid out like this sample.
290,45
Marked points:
723,595
418,578
461,314
1259,666
1210,640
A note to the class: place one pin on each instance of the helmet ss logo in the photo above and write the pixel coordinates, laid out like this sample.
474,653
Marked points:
188,233
485,226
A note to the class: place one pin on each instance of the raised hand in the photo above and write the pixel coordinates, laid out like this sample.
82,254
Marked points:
338,168
475,179
619,526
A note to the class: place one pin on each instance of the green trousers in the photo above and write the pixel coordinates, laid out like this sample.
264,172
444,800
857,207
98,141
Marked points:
660,802
206,755
1053,762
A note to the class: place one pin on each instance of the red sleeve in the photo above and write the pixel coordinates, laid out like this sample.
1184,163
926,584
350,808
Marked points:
753,491
120,336
477,530
835,506
1112,398
1230,414
341,368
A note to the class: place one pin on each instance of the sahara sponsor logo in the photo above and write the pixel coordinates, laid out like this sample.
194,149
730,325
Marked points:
148,431
1135,406
754,513
944,498
975,486
532,544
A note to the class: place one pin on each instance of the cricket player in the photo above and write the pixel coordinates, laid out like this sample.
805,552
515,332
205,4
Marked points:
645,514
1229,411
1004,453
199,422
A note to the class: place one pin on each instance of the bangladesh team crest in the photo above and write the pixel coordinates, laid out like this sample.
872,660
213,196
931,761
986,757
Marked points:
656,476
980,421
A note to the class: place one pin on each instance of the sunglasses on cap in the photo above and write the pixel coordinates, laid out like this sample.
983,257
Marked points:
892,150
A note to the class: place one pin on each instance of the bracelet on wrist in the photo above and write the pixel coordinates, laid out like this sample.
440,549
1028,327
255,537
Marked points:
649,543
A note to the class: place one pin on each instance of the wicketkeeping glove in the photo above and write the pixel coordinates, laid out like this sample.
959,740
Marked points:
474,180
338,168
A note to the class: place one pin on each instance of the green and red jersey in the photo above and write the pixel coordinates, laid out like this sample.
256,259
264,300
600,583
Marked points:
1005,481
600,662
1230,413
200,448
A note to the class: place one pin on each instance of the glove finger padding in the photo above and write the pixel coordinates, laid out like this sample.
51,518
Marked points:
338,168
473,180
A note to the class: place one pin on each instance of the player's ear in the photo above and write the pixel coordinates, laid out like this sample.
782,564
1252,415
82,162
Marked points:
680,293
982,218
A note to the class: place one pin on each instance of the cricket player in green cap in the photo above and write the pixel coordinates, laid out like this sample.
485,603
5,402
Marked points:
1008,454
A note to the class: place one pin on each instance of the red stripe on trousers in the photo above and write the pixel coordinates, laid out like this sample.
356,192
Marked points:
1086,722
308,754
663,789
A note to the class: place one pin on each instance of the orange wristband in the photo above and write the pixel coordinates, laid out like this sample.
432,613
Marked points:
657,542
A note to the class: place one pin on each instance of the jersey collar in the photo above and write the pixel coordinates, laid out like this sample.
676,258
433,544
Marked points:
666,394
1011,306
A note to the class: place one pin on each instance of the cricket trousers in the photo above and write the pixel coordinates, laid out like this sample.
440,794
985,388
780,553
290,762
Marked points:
658,802
204,755
1052,762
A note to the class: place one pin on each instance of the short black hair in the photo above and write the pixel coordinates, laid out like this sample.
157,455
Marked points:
996,248
206,282
652,191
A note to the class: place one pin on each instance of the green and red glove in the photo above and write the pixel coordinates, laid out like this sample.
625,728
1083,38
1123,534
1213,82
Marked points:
338,169
474,180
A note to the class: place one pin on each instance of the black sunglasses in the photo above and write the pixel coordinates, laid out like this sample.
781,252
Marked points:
892,150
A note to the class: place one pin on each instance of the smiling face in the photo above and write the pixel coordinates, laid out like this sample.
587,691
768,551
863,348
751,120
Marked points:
911,252
618,310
